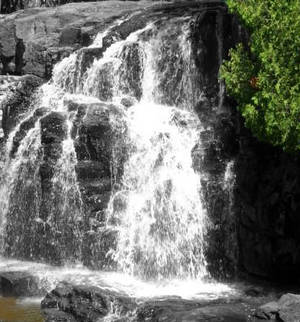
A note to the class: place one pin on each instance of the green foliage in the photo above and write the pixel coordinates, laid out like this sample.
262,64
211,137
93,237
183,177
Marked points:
265,78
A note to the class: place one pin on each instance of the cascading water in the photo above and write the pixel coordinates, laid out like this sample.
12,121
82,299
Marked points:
158,212
148,85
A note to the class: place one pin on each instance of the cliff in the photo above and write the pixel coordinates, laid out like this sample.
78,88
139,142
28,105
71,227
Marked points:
253,214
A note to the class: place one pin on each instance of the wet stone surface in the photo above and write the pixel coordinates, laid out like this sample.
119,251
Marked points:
82,303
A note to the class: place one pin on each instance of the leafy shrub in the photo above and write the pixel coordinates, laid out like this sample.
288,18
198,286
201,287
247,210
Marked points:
265,78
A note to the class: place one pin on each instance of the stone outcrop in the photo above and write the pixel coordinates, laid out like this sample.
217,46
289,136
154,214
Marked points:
16,94
33,40
82,303
18,284
214,33
71,303
100,153
254,217
286,309
267,205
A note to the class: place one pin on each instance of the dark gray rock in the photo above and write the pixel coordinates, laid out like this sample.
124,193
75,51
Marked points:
92,304
267,204
19,96
53,128
211,39
268,311
84,303
289,307
17,284
286,309
180,310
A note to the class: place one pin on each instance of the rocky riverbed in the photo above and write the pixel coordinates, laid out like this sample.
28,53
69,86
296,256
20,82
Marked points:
35,292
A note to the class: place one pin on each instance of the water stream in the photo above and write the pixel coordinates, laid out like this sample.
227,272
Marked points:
156,208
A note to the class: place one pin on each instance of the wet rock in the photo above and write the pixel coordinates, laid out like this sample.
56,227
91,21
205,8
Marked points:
19,94
268,207
18,284
53,128
91,304
86,57
128,101
98,132
219,142
181,310
97,242
84,303
132,58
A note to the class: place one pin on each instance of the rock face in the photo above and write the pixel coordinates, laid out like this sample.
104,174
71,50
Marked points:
31,41
18,284
255,212
267,207
215,32
287,309
251,190
17,94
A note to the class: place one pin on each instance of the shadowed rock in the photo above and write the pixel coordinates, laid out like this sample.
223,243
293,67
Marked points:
286,309
18,284
83,303
90,304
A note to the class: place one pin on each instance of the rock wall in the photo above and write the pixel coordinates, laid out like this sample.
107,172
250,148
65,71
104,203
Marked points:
267,209
215,31
254,216
32,41
255,220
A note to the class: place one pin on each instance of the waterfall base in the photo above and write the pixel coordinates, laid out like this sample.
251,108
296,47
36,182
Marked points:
48,277
79,294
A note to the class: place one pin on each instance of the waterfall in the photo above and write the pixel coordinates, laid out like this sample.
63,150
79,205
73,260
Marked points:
158,212
156,208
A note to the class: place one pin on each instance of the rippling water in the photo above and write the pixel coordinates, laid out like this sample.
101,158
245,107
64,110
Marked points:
15,310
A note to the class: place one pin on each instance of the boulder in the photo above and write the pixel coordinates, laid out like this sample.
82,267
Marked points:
286,309
289,307
268,311
84,303
19,284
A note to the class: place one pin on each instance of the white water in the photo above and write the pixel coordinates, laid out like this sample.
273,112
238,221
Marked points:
161,224
49,276
157,209
158,213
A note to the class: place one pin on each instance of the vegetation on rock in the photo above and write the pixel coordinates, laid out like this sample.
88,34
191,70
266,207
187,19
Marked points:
264,75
